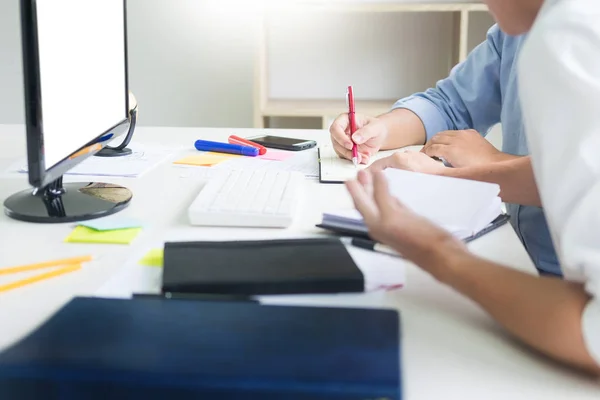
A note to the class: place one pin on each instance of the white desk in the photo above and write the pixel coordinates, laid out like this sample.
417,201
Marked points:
451,348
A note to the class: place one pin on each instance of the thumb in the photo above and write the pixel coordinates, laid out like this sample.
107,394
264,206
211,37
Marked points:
365,133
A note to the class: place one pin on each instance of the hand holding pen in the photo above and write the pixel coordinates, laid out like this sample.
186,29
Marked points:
354,135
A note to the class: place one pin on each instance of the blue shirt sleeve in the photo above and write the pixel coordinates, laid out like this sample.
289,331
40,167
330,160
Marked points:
470,98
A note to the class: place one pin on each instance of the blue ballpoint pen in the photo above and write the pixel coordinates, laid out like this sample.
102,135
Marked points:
206,145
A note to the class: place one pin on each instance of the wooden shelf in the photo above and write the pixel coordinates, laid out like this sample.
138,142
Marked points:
361,6
322,108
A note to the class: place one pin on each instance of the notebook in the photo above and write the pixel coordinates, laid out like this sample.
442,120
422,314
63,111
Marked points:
98,349
333,169
461,206
270,267
350,223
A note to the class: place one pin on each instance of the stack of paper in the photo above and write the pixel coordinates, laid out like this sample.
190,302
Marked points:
142,159
463,207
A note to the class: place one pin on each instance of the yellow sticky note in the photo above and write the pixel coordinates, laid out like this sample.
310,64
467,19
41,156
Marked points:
205,159
153,258
82,234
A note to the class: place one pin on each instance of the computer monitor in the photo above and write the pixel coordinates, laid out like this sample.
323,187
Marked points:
76,102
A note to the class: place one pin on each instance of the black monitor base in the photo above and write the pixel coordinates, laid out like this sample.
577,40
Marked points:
113,152
57,203
122,149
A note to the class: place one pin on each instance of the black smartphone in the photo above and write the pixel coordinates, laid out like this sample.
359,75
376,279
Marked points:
283,143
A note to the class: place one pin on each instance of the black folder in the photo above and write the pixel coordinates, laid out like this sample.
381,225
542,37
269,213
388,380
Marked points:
97,349
261,267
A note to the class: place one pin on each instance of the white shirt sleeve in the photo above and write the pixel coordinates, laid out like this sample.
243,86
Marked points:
559,83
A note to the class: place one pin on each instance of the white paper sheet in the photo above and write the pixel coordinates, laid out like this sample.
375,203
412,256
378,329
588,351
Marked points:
462,207
381,271
336,169
132,278
143,159
454,203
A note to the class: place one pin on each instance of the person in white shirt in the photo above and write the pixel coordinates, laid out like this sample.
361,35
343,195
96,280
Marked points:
559,85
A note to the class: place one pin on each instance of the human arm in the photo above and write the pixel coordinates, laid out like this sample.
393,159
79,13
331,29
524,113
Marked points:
515,177
544,313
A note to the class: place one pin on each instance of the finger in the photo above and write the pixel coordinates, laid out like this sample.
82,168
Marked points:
442,139
362,201
347,154
438,150
366,181
449,133
342,152
366,133
363,158
381,194
338,131
381,164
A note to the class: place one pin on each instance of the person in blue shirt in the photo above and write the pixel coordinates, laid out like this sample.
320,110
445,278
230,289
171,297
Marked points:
452,120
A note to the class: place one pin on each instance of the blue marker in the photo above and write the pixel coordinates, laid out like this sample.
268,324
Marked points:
205,145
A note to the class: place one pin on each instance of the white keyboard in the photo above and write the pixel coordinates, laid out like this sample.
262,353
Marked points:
255,198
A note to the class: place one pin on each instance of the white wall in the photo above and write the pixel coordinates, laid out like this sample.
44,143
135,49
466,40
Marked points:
384,56
191,64
11,81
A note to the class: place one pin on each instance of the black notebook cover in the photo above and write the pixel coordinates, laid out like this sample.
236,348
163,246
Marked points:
261,267
97,349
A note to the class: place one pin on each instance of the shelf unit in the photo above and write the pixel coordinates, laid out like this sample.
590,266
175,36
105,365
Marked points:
324,109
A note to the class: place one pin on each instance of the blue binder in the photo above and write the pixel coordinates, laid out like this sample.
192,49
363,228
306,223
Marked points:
185,349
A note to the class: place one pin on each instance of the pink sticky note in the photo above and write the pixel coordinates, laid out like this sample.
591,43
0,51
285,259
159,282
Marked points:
274,155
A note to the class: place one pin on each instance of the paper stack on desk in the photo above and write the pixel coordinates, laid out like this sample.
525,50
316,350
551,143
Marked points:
143,159
463,207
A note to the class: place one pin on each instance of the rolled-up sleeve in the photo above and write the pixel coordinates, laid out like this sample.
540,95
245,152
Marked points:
470,98
562,121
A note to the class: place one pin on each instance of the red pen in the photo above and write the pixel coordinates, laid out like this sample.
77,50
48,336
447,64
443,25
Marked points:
352,118
233,139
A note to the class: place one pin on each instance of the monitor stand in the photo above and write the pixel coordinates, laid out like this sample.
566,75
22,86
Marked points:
122,149
67,202
114,151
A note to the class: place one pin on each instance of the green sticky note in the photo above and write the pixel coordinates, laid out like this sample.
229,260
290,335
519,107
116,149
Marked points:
82,234
153,258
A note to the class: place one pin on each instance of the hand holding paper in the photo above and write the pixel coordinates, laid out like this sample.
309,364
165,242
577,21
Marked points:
392,223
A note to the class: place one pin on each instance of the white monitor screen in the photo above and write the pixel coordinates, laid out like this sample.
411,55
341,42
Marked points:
82,72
